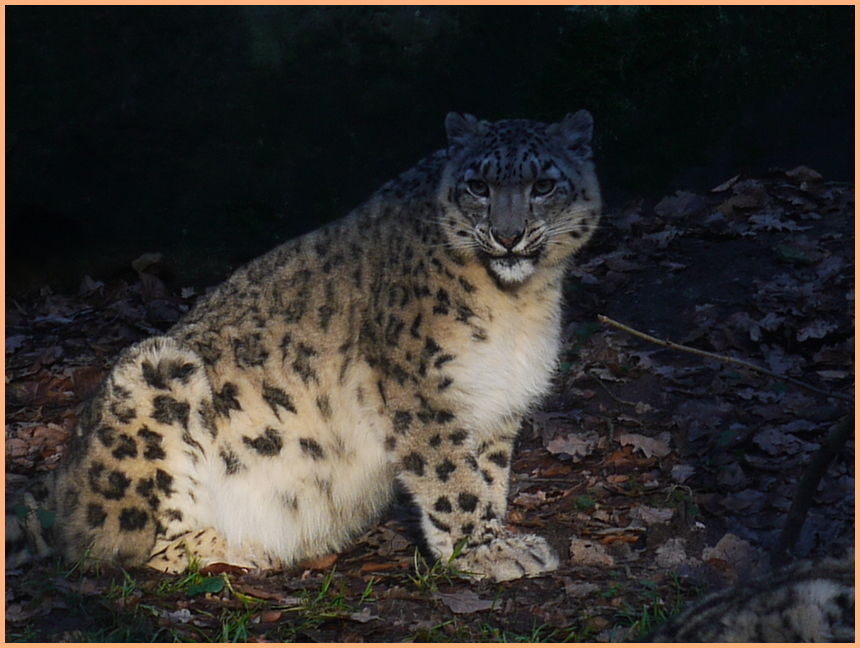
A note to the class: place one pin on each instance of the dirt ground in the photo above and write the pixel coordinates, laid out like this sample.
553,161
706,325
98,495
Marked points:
657,474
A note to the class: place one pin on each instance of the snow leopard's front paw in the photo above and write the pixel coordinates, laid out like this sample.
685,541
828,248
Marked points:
508,557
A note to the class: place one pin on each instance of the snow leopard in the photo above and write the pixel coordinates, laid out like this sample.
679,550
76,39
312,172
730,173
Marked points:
809,601
397,348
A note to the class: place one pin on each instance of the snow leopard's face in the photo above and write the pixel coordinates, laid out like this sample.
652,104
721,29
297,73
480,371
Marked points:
519,194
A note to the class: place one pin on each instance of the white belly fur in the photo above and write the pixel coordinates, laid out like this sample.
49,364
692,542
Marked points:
253,509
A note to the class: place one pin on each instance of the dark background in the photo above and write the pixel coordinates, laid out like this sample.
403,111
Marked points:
210,134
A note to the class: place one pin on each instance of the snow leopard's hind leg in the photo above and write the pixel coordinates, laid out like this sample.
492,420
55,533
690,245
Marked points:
130,473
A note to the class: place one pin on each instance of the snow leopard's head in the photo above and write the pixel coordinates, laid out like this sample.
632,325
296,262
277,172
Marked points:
519,194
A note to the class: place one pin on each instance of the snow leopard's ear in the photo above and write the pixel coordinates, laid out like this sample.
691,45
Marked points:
460,129
576,130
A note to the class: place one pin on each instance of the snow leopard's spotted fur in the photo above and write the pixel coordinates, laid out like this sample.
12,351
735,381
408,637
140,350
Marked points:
401,344
806,602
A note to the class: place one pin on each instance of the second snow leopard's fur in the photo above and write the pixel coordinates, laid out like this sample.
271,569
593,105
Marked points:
403,344
805,602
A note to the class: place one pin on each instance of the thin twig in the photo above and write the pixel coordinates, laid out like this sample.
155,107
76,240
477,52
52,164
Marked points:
830,446
609,391
722,358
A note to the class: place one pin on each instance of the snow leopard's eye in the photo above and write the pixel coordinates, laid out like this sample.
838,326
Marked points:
478,188
543,187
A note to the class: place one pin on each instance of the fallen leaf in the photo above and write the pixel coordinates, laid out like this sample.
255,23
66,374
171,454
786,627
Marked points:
373,566
256,592
642,408
270,616
830,266
730,548
291,601
464,602
152,288
745,501
14,342
180,616
89,286
818,329
682,472
16,448
530,501
618,262
751,187
649,446
733,476
16,613
390,544
729,205
681,205
722,571
779,361
651,515
612,538
579,589
549,425
833,374
364,616
590,553
772,222
804,174
259,639
577,444
743,323
726,185
321,563
663,238
556,469
776,441
770,322
671,554
672,266
144,261
222,568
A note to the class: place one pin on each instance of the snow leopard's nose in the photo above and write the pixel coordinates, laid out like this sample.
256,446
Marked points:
507,238
508,216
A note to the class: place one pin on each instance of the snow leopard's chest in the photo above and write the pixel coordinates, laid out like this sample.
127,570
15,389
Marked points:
508,370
